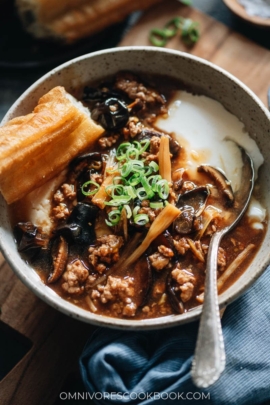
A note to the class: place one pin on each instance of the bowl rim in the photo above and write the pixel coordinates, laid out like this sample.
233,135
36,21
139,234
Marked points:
74,311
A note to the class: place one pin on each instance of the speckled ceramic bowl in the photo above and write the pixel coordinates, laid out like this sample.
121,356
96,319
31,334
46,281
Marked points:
209,80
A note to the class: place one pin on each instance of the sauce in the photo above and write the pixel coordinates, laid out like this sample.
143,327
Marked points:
206,133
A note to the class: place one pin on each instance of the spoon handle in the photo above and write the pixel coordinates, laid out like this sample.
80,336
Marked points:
209,358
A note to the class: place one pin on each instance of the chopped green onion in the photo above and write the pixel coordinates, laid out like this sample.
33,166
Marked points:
135,179
126,169
145,144
115,203
157,37
128,211
172,27
121,150
125,198
148,189
141,193
146,170
90,192
141,219
186,2
119,179
190,32
112,189
137,145
114,217
132,153
163,189
154,166
137,165
131,192
153,181
156,205
135,210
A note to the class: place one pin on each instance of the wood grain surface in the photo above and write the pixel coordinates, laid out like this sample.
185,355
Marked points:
57,340
218,44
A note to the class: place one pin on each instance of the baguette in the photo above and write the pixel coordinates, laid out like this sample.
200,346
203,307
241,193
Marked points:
71,20
36,147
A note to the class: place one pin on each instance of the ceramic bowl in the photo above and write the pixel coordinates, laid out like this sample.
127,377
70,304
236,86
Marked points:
202,76
241,12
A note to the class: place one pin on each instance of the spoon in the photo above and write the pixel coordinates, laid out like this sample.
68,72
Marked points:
209,358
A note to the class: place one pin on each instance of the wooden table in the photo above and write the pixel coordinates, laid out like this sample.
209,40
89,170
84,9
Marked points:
52,340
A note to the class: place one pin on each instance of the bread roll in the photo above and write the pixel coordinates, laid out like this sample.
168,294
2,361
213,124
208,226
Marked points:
36,147
70,20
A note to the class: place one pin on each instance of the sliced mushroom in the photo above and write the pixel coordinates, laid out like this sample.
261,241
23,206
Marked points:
174,296
142,275
80,226
88,157
83,177
101,228
184,223
192,203
84,166
30,237
111,114
164,239
221,181
148,133
60,257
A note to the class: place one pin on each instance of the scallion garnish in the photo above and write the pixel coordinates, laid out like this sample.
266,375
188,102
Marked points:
128,211
141,219
114,217
188,29
137,179
131,191
156,205
126,169
145,144
153,181
163,189
154,166
90,192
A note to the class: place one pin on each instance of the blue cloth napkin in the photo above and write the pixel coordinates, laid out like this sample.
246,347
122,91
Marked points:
153,367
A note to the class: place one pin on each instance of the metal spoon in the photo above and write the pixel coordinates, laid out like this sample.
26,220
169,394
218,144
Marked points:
209,359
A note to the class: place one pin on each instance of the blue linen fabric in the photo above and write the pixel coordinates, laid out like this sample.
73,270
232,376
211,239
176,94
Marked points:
158,363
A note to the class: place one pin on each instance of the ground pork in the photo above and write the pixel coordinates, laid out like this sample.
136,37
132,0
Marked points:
186,281
108,141
121,292
158,261
130,84
161,259
74,277
61,211
221,258
65,193
106,251
133,128
181,245
154,145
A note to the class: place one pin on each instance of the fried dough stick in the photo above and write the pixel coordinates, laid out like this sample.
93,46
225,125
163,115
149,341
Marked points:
36,147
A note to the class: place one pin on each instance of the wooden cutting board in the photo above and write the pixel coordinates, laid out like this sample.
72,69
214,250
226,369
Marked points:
218,44
54,341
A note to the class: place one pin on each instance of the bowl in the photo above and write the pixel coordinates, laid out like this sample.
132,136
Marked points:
241,12
203,77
